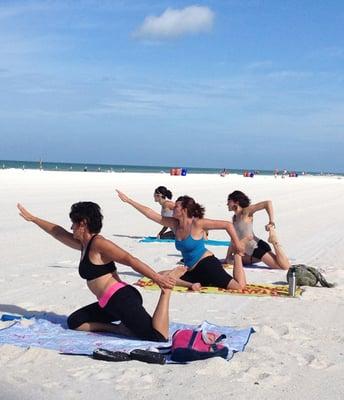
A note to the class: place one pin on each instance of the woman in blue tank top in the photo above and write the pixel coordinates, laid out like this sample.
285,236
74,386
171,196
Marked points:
189,225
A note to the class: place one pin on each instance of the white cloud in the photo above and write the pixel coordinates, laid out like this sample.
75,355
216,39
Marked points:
173,23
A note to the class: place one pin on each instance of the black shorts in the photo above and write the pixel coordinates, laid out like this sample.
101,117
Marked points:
262,249
126,306
208,272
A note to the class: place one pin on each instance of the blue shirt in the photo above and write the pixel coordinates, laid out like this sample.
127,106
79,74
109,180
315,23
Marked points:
191,249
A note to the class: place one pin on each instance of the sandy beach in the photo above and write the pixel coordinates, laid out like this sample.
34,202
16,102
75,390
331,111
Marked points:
298,348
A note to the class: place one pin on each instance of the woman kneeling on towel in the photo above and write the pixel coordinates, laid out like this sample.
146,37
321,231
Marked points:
256,249
117,301
204,269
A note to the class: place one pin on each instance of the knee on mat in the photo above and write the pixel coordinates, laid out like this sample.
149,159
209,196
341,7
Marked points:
239,286
73,321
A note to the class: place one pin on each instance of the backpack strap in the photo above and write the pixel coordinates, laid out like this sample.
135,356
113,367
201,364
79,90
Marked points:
321,279
192,339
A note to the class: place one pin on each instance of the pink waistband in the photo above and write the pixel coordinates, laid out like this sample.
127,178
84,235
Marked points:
109,292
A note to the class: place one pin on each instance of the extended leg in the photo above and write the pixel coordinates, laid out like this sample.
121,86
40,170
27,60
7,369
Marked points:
239,277
281,259
160,320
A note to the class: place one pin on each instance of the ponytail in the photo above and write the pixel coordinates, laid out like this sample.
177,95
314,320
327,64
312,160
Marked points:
164,192
193,209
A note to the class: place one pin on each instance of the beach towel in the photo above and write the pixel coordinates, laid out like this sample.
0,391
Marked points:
153,239
55,336
254,289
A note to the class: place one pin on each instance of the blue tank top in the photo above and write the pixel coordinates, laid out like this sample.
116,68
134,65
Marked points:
191,249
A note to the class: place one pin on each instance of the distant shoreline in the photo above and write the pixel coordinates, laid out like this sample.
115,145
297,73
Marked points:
91,167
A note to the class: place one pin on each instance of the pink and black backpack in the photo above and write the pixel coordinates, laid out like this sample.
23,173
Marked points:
191,345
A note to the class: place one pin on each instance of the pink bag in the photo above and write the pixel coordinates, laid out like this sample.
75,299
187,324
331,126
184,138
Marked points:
190,345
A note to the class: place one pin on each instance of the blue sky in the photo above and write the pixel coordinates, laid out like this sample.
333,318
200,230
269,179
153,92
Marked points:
236,83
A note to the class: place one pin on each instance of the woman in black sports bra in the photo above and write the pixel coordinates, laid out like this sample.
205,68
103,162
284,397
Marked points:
117,300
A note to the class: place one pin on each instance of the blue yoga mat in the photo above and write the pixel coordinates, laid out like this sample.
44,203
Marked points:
152,239
55,335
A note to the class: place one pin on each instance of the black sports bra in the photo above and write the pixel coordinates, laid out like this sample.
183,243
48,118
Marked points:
89,271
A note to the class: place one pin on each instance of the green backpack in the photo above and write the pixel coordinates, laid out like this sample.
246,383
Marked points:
307,276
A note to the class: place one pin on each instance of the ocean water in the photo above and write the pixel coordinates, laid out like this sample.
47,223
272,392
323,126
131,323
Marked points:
88,167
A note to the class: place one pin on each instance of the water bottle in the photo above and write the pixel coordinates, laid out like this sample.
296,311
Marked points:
292,283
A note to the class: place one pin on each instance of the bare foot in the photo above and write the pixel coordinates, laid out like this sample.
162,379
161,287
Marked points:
196,287
273,237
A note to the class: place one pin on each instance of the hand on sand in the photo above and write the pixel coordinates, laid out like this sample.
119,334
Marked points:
122,196
25,213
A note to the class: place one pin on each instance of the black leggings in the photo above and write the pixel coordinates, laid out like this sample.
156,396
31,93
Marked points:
168,235
126,306
208,272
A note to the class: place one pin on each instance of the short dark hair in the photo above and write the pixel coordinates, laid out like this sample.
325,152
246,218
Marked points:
164,192
193,209
89,212
239,197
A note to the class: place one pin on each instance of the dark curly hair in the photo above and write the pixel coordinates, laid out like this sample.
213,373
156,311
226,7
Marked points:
164,192
239,197
193,209
89,212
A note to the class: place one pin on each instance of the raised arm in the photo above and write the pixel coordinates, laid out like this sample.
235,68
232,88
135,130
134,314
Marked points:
110,250
212,224
148,212
263,205
52,229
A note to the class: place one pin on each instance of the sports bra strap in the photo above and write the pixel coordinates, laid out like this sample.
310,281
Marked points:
89,244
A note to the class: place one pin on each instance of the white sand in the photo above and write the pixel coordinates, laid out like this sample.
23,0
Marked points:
297,351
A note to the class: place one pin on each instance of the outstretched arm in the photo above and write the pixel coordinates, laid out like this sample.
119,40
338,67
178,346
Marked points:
210,224
148,212
110,250
54,230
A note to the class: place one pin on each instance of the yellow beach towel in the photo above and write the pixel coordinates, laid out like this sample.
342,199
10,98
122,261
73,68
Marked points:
255,289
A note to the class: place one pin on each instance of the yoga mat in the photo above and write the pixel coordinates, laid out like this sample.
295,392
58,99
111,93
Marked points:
152,239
